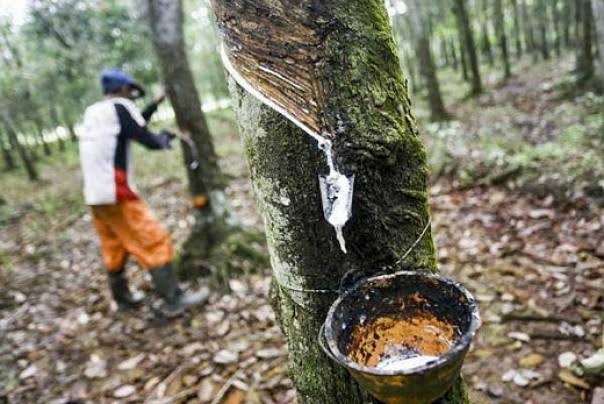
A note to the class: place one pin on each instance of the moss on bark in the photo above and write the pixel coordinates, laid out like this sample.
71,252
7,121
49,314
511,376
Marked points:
369,119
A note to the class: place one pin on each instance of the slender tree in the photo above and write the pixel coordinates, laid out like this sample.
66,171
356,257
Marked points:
206,181
27,160
463,22
453,48
502,39
463,57
353,62
567,14
555,13
585,56
598,13
485,38
517,29
542,23
7,153
529,31
423,53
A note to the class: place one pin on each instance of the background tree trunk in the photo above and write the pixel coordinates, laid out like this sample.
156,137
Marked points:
39,128
517,29
485,39
27,160
529,32
567,17
454,59
205,182
7,153
542,20
556,24
463,21
585,57
378,142
423,53
463,54
502,39
598,12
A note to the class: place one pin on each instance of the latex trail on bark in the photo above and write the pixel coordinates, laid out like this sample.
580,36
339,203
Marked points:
275,52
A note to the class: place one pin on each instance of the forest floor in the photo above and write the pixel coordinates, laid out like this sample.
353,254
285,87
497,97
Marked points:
526,256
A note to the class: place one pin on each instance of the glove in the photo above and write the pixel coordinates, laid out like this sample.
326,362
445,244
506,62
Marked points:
165,138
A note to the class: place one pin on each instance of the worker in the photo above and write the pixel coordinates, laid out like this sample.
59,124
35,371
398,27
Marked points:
124,223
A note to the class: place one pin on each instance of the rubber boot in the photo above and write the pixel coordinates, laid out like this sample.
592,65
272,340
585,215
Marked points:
175,300
120,291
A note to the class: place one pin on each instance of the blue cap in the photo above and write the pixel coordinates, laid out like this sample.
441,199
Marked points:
113,79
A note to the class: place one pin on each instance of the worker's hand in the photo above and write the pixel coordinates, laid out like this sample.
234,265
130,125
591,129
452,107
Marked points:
160,98
166,137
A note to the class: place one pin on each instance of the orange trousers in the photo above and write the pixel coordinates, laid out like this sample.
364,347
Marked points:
130,228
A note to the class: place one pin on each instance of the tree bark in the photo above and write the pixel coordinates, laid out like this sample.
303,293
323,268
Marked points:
40,132
541,18
374,134
454,59
463,55
502,39
585,57
28,163
529,32
598,13
444,52
206,181
567,14
7,154
485,45
556,23
517,29
463,21
423,53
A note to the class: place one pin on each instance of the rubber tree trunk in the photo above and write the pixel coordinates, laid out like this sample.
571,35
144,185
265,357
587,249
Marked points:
542,21
567,14
54,117
517,29
26,159
453,47
485,39
205,182
598,12
463,22
423,53
7,153
585,56
444,52
375,136
39,127
529,31
556,23
463,58
502,39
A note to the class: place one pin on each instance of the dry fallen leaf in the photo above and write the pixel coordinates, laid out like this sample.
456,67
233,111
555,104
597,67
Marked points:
531,361
28,372
520,336
567,377
124,391
131,363
224,357
96,367
566,359
206,391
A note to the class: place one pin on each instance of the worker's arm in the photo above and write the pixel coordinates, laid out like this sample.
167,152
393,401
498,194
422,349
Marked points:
149,111
152,108
132,130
